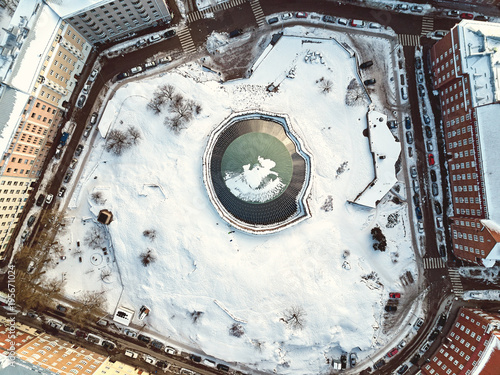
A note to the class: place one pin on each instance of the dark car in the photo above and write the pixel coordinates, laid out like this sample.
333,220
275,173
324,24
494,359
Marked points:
379,364
62,309
415,359
68,329
407,122
169,34
390,308
416,199
427,119
392,124
61,192
108,345
403,369
409,138
421,90
272,20
418,63
343,360
68,176
433,175
235,33
157,344
442,320
370,82
437,208
81,101
31,220
329,19
428,132
81,334
480,17
431,159
442,251
366,64
434,334
161,364
122,76
40,200
144,338
466,16
418,212
222,367
78,150
195,358
435,189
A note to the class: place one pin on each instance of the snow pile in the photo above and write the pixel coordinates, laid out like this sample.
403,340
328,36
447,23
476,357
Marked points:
489,295
206,277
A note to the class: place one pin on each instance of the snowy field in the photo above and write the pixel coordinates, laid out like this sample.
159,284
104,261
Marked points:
320,266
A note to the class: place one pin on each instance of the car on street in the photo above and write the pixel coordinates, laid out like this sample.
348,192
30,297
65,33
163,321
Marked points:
394,295
420,77
407,122
429,146
88,129
369,82
131,354
418,63
431,159
413,171
418,323
409,138
434,334
442,320
86,88
480,17
420,226
150,360
416,199
31,220
433,175
381,362
353,359
122,76
62,309
272,20
328,19
130,333
453,13
49,198
157,344
428,132
235,33
165,60
416,188
401,344
140,43
466,16
56,324
40,200
93,118
402,7
439,222
81,101
391,308
374,25
392,353
437,208
73,163
418,213
442,251
94,339
170,350
301,15
403,369
222,367
416,9
136,69
425,347
150,64
195,358
287,16
169,34
144,338
357,23
342,21
435,189
343,360
92,75
392,124
81,334
143,312
427,119
78,150
68,176
366,64
68,329
154,38
421,90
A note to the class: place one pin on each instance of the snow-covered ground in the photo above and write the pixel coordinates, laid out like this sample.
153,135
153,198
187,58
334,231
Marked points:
325,266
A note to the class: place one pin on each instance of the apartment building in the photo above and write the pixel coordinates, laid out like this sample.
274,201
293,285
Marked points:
113,367
108,20
472,346
464,71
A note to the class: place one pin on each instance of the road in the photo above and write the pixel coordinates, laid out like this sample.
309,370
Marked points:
243,16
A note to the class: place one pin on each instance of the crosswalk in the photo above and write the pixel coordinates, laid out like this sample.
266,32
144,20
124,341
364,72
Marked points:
432,263
258,13
456,283
186,40
409,39
427,25
199,14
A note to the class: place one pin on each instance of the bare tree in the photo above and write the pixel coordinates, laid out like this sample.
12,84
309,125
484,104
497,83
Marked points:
156,105
294,317
147,257
175,123
95,238
236,330
167,92
134,135
177,100
89,307
97,197
325,85
150,233
117,142
106,274
195,315
355,94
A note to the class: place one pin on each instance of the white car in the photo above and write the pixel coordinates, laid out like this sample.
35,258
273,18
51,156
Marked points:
150,360
93,75
170,350
374,25
154,38
49,198
420,227
286,16
136,69
343,21
74,161
55,324
131,354
130,333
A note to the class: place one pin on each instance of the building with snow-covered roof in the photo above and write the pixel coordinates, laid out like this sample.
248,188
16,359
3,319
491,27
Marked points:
107,20
466,71
471,347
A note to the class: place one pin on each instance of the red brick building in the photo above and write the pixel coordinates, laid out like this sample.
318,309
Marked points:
472,346
465,72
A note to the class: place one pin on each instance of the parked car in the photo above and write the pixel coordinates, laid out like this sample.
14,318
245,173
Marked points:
150,360
420,226
87,131
381,362
353,359
374,25
366,64
165,60
429,146
143,312
416,9
407,122
209,363
68,176
418,213
40,200
357,23
130,333
433,175
73,163
62,309
425,347
49,198
86,88
56,324
222,367
272,20
342,21
140,43
401,344
235,33
439,222
81,334
131,354
154,38
480,17
94,339
402,369
195,358
413,171
31,220
78,150
431,159
157,344
144,338
81,101
287,16
170,350
418,63
421,90
301,15
391,308
428,132
416,200
435,189
122,76
420,77
343,360
453,13
93,118
427,119
369,82
394,295
437,208
68,329
404,93
169,34
92,75
149,64
442,251
402,7
409,138
466,16
418,323
328,19
392,353
136,69
392,124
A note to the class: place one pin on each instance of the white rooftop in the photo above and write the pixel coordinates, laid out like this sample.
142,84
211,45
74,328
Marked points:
489,139
479,46
66,8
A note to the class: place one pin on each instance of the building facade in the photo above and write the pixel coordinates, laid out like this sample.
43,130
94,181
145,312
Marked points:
109,20
472,346
463,72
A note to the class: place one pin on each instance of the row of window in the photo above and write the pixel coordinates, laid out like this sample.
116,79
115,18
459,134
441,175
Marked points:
460,188
468,236
54,99
466,200
45,106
